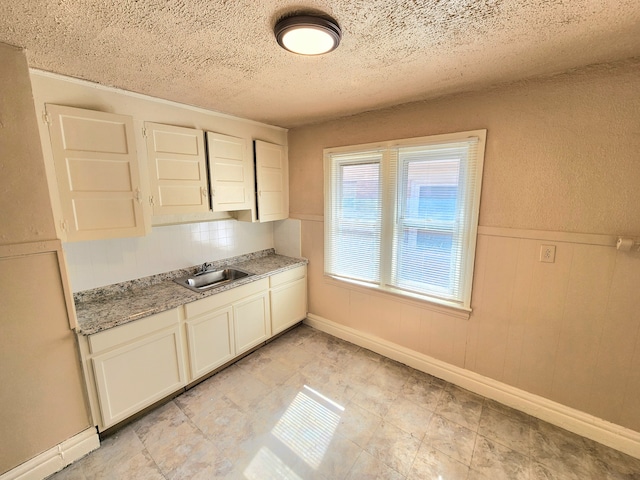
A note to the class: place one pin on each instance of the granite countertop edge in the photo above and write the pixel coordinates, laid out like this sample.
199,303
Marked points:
114,305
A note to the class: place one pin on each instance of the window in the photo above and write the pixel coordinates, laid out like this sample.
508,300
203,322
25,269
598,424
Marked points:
402,216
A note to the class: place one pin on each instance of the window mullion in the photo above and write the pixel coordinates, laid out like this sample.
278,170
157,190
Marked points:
389,212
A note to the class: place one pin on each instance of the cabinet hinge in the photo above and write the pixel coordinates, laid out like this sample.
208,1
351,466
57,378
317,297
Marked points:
46,118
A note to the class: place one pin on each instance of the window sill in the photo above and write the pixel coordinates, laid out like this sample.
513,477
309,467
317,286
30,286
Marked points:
421,301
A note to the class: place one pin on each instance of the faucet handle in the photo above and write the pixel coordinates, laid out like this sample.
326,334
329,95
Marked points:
205,266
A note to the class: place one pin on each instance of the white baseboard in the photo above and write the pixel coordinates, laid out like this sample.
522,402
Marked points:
601,431
56,458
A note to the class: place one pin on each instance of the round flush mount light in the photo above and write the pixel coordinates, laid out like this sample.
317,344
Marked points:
308,34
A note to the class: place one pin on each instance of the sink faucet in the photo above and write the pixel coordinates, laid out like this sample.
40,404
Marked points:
205,266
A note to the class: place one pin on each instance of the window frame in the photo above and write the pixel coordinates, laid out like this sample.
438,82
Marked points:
391,197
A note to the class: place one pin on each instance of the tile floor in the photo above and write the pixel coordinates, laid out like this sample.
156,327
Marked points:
311,406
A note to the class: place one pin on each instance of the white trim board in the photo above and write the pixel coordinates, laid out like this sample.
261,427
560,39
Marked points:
601,431
56,458
550,236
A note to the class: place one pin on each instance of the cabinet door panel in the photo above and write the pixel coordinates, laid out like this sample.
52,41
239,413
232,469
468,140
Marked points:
272,181
114,213
288,305
230,173
135,376
172,169
184,196
177,169
105,135
183,142
210,340
227,195
97,173
252,322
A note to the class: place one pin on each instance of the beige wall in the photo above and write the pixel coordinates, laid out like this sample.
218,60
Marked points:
562,153
561,157
42,401
21,164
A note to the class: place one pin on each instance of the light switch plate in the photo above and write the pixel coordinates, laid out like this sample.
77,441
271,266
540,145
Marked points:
547,253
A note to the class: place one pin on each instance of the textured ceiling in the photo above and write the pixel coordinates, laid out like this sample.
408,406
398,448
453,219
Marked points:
222,55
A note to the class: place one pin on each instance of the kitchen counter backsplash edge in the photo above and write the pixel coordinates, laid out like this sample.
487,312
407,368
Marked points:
113,305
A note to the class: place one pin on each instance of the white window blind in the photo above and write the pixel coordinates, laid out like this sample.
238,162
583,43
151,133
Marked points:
403,217
356,217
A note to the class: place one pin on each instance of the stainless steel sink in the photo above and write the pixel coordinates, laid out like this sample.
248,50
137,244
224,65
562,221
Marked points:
211,279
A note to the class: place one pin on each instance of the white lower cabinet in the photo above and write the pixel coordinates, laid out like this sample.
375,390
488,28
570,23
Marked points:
133,373
132,366
288,297
223,326
252,322
210,340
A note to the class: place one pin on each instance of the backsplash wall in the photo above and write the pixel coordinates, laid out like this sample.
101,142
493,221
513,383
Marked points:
98,263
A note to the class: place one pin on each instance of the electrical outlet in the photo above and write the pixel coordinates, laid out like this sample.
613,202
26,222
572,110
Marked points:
548,253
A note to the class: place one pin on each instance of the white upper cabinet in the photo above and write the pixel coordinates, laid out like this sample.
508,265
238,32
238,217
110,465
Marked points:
230,173
177,169
97,174
272,174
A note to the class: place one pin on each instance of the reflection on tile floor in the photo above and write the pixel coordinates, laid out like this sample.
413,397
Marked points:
311,406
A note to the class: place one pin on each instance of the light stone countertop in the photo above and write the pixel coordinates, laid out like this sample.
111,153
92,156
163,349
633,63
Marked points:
107,307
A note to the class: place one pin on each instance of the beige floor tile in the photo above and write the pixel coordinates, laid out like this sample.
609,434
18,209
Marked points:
338,460
245,390
460,406
431,464
329,379
538,471
141,465
367,467
508,430
375,399
394,447
75,471
358,424
272,371
497,462
451,439
390,375
409,416
562,451
422,391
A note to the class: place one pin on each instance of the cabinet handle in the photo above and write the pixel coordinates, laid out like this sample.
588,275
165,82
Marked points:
204,191
139,195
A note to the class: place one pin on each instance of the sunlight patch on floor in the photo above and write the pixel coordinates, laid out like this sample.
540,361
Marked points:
266,465
308,425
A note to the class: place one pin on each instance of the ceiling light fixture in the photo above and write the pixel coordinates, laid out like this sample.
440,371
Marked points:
308,34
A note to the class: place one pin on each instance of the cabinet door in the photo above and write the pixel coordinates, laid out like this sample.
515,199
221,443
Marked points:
177,169
288,305
97,173
252,322
134,376
230,173
272,175
210,340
